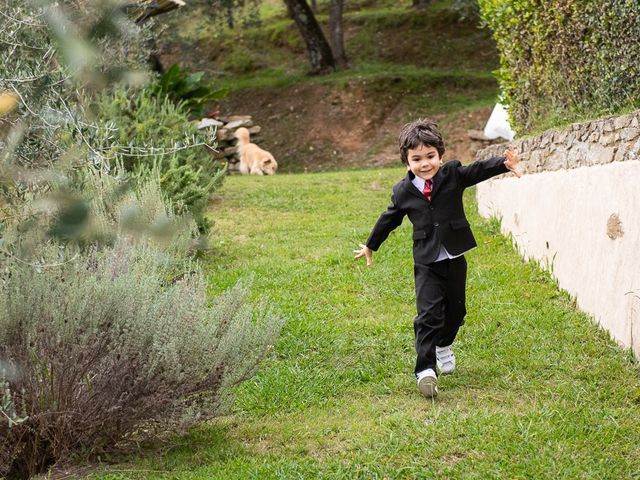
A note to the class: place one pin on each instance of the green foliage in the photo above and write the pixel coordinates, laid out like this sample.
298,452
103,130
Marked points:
563,59
229,13
44,61
240,62
466,9
106,331
187,90
190,188
160,142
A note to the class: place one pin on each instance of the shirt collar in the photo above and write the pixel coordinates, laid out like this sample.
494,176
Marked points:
417,181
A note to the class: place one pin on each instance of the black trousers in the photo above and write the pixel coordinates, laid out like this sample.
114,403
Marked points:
440,302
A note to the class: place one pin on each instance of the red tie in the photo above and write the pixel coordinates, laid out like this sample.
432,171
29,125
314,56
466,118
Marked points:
426,191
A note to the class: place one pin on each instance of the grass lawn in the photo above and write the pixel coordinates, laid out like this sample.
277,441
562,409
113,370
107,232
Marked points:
539,392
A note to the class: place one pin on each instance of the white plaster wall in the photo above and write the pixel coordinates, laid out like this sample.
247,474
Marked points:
560,219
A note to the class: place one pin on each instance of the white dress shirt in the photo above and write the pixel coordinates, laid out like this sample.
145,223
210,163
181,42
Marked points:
443,255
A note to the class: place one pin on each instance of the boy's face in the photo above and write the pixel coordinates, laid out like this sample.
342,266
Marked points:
424,161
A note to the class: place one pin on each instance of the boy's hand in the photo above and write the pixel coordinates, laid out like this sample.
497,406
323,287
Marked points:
511,161
364,252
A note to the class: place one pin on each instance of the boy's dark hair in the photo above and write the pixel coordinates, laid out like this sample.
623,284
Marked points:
419,132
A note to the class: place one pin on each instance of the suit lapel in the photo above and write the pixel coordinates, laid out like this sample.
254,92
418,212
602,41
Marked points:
411,188
437,181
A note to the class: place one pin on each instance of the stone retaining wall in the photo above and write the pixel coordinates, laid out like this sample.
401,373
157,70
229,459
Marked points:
577,212
613,139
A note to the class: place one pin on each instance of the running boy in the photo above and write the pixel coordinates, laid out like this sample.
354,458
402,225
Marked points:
431,196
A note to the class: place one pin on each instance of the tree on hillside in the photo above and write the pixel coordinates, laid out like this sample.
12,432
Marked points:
146,9
142,11
320,54
336,33
421,4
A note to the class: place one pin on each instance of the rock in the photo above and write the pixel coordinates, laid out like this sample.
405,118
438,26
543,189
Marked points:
621,122
223,134
634,151
599,154
209,122
234,118
578,145
621,154
544,141
578,156
570,139
238,123
585,135
609,126
561,136
629,134
608,138
535,159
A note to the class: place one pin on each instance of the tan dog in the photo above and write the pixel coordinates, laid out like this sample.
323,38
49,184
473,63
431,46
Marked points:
253,159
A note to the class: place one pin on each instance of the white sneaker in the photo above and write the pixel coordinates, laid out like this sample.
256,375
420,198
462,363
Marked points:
428,383
446,360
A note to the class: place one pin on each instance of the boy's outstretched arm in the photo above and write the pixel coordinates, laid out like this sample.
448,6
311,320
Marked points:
388,221
484,169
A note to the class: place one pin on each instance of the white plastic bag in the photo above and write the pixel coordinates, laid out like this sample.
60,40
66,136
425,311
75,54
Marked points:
498,124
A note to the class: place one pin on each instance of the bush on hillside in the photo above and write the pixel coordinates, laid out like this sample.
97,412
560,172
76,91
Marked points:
466,9
138,127
564,59
188,90
160,142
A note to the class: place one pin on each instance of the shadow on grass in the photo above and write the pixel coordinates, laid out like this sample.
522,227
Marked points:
165,456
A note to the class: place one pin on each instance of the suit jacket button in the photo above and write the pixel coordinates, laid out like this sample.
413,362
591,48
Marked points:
436,224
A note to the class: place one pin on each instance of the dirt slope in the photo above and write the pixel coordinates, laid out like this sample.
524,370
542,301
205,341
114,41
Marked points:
313,127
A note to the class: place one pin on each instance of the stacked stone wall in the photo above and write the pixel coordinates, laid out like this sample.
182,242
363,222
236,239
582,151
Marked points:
226,127
612,139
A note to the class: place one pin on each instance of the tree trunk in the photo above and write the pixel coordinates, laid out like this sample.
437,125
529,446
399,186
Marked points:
421,4
314,6
336,33
321,58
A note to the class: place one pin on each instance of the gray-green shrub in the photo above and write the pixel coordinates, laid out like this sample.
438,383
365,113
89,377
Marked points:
113,339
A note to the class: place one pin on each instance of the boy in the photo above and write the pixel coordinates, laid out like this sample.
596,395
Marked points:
431,196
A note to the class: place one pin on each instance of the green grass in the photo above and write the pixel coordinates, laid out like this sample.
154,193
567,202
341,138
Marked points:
388,77
540,392
380,34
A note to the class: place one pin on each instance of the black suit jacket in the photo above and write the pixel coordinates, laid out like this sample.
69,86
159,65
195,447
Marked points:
440,221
